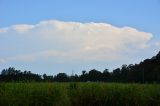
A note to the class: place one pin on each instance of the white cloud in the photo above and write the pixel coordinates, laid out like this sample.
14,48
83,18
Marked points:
157,43
87,41
3,30
22,28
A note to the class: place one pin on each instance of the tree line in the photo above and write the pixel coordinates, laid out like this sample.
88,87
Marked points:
147,71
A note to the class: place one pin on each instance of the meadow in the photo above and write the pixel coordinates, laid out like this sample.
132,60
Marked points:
79,94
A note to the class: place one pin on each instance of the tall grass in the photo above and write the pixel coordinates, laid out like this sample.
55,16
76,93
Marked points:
79,94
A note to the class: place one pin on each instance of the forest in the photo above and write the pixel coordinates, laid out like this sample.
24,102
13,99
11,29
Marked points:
147,71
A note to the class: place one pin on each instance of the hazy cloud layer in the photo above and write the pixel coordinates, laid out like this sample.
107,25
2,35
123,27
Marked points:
73,41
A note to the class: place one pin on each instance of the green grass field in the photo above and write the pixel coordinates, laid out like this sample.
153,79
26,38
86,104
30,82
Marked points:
79,94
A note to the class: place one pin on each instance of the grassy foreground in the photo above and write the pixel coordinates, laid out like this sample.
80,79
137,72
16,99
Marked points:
79,94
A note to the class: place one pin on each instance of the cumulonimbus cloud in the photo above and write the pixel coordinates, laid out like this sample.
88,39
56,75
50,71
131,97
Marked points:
76,40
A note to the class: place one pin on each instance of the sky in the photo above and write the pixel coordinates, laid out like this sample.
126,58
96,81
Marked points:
53,36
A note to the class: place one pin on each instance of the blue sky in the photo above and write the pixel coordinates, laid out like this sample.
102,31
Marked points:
23,24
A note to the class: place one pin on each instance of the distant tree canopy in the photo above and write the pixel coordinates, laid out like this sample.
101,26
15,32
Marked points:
61,77
11,74
147,71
